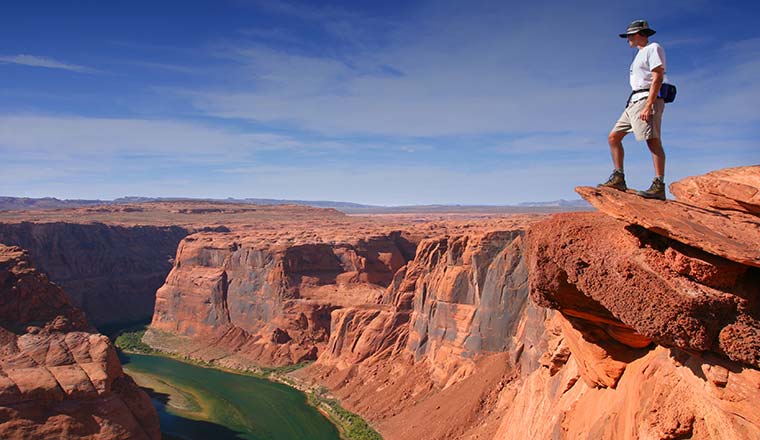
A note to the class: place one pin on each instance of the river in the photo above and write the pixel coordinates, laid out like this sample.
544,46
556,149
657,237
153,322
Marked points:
204,403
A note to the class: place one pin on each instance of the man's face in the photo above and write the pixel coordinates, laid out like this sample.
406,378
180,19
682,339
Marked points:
636,40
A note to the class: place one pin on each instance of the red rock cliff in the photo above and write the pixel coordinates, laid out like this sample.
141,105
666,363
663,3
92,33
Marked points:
111,272
58,378
658,334
656,337
237,299
457,328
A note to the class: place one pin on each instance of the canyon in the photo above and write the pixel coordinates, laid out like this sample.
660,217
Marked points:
639,320
59,378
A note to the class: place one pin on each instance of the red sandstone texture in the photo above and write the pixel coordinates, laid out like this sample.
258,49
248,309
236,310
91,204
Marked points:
734,189
660,393
730,234
58,379
266,296
111,259
630,280
456,327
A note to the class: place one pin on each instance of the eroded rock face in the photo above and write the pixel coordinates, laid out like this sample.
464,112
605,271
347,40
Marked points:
455,325
470,292
632,282
654,337
730,234
661,393
732,189
257,303
58,378
110,272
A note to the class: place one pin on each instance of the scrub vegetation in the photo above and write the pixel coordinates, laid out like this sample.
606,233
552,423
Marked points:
351,426
130,341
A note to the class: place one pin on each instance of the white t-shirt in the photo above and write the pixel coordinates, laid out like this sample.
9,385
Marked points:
649,57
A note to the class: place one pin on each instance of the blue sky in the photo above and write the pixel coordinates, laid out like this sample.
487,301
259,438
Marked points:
479,102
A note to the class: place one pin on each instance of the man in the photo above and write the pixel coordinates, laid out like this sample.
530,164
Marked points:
643,113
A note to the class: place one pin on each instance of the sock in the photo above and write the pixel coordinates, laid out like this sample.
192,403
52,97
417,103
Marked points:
660,178
619,170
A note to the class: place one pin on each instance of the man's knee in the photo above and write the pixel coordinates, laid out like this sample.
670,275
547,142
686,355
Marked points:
655,146
616,137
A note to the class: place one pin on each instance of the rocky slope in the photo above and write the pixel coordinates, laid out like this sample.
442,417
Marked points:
658,333
59,378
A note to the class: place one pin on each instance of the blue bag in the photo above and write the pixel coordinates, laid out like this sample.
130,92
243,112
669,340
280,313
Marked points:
667,92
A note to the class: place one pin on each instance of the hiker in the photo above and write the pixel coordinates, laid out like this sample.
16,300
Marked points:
643,112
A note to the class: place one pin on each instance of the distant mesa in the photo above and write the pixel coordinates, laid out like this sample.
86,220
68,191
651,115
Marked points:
34,204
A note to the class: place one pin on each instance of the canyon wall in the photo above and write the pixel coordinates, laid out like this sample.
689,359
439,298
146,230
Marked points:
58,377
460,327
657,333
111,272
237,298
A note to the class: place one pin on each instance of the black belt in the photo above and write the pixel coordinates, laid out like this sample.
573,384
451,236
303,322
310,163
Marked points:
628,102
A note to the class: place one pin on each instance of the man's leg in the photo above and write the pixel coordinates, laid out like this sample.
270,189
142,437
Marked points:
617,179
657,189
615,139
658,156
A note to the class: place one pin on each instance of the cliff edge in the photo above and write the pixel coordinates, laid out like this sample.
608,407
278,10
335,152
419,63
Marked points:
658,331
59,378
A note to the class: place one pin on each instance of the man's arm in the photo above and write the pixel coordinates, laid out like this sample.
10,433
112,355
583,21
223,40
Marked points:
658,75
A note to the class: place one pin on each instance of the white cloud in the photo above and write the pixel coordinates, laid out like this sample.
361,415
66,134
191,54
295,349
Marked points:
80,135
36,61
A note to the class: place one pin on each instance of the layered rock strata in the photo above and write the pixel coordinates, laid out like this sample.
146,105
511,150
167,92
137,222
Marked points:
456,325
656,337
58,378
237,300
111,272
729,189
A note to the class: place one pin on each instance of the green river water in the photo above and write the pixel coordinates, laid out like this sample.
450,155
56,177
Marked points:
203,403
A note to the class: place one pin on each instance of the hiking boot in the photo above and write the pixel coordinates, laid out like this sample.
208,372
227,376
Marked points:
616,180
655,191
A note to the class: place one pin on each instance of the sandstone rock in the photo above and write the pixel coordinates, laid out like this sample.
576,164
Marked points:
734,236
58,379
111,272
275,299
661,395
469,294
453,325
592,267
736,189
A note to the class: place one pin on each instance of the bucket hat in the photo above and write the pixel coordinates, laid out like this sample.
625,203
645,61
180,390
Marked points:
637,26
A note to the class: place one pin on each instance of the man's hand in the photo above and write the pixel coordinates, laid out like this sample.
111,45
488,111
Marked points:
647,113
658,75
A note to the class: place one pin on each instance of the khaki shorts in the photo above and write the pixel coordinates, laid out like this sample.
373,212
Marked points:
630,122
